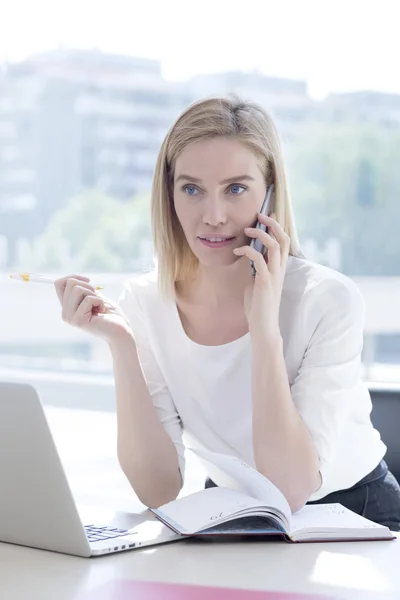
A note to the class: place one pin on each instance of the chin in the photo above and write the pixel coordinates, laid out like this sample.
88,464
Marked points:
220,261
214,257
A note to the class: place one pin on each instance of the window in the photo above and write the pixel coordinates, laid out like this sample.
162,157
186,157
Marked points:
340,127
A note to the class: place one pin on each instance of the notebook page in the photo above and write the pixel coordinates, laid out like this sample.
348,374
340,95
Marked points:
252,482
204,509
327,517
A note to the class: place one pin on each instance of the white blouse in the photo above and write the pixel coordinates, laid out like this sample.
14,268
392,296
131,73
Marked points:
202,394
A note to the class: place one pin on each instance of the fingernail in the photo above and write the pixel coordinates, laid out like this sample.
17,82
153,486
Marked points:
236,251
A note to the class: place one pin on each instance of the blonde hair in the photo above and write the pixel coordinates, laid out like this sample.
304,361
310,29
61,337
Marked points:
205,119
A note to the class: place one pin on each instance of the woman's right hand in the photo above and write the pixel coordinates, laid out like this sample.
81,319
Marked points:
83,307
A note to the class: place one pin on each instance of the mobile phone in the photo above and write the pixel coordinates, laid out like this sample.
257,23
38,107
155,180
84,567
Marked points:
266,209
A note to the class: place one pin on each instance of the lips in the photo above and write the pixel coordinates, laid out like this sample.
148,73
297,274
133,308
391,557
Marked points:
214,241
216,238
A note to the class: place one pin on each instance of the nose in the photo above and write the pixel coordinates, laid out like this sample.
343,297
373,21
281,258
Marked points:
214,211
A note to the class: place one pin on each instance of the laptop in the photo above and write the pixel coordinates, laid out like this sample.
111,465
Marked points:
37,508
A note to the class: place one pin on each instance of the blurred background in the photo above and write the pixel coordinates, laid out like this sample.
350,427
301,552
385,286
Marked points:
87,92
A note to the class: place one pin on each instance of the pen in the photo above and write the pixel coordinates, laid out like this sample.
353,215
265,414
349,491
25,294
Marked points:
38,279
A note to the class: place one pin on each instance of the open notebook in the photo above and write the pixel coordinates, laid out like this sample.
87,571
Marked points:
257,507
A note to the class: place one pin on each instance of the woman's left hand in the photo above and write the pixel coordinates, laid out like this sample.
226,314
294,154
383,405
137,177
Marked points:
263,295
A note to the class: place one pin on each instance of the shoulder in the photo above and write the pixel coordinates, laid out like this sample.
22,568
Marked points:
140,298
321,289
141,287
142,303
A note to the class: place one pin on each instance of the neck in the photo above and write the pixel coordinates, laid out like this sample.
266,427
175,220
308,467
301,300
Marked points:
218,286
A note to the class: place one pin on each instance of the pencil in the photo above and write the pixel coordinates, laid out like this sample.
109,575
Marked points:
38,279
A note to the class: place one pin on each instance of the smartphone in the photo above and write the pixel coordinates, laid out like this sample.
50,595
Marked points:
266,209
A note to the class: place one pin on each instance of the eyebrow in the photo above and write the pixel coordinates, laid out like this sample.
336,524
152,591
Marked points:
229,180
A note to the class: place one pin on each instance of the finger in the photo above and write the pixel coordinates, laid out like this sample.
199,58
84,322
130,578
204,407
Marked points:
90,306
270,243
72,302
279,261
257,258
278,232
71,284
60,284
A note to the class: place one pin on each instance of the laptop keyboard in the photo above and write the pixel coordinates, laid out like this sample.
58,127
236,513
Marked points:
97,534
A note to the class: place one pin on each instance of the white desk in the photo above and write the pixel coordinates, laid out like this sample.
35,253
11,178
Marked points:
349,571
87,445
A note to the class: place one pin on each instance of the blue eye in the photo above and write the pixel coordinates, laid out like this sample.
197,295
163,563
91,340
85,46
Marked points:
237,189
191,190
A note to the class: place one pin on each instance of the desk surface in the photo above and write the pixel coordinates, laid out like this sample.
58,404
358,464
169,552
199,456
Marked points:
346,570
369,570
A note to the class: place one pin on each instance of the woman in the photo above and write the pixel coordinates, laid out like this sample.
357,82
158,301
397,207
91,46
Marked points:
266,368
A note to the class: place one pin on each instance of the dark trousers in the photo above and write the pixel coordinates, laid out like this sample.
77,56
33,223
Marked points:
376,497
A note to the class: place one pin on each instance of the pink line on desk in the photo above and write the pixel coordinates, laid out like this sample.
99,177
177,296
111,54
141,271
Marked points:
149,590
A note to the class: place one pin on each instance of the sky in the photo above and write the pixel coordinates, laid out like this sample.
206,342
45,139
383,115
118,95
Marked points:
335,45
